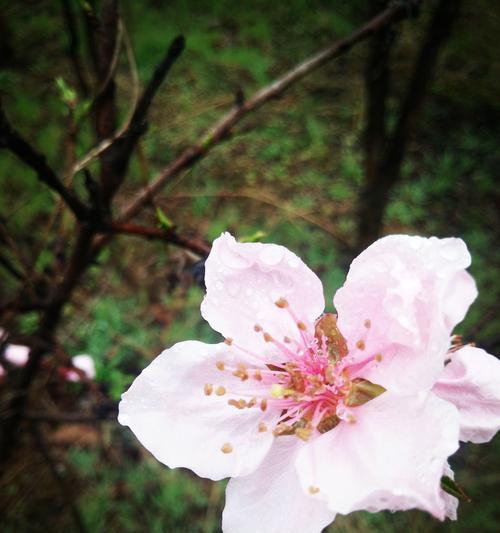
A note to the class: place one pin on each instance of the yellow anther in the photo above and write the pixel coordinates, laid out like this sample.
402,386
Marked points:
301,325
220,390
368,323
241,372
262,427
268,337
360,344
263,404
281,303
303,433
228,341
277,390
239,404
208,389
313,490
283,429
220,365
257,375
226,448
257,328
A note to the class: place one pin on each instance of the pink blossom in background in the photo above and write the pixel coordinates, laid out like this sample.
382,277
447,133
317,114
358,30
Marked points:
2,371
16,354
312,415
82,362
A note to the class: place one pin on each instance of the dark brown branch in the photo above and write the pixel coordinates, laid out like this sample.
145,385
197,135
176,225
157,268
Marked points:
222,129
169,236
13,141
117,156
375,195
70,418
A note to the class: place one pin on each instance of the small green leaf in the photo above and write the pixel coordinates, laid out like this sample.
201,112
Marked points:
163,221
451,487
254,237
67,93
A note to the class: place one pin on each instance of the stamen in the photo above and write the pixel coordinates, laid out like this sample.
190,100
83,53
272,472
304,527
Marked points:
241,372
257,328
303,433
263,404
262,427
226,448
288,340
368,323
277,390
281,303
220,391
228,341
208,389
239,404
301,325
361,344
283,429
220,365
257,375
268,337
313,490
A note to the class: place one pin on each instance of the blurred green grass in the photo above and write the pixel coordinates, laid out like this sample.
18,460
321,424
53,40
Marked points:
295,176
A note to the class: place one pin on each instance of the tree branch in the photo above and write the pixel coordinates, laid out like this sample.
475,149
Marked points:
13,141
170,236
222,128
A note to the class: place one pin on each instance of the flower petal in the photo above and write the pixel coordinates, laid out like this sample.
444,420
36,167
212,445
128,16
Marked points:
471,381
271,500
169,412
413,291
392,456
244,280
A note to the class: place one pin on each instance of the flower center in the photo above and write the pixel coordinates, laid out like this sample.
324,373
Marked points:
312,383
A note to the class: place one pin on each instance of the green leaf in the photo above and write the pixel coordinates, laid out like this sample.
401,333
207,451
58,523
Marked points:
67,93
254,237
451,487
163,221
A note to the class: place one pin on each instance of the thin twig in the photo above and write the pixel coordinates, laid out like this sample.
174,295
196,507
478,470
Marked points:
169,236
12,140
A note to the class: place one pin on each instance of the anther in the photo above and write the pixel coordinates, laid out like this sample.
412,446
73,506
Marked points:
281,303
360,344
262,427
263,404
208,389
288,340
313,490
220,365
220,390
252,402
268,337
277,390
350,419
303,433
301,325
239,404
226,448
378,357
257,328
241,372
368,323
257,375
283,429
228,341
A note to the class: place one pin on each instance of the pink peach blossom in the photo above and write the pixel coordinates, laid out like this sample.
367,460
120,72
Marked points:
17,354
312,415
82,362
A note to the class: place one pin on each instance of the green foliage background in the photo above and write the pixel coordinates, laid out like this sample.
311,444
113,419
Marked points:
294,175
